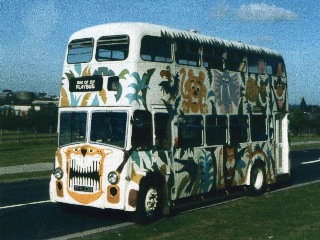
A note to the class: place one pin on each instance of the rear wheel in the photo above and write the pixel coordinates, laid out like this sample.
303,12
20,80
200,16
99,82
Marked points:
149,203
257,179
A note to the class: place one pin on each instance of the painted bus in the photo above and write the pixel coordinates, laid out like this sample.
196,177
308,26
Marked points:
149,115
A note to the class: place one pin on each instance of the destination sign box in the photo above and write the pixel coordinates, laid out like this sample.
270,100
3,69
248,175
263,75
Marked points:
86,84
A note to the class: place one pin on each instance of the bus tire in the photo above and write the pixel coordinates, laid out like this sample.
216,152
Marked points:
149,202
257,179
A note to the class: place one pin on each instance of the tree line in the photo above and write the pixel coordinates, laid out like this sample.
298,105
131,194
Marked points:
43,120
304,119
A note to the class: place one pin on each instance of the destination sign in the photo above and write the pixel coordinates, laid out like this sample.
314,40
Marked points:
86,84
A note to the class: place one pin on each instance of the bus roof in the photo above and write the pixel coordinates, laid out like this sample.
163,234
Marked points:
137,28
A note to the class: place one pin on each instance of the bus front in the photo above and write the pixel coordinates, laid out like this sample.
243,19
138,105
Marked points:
91,162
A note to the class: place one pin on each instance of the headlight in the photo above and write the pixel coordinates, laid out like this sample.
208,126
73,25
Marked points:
113,177
58,173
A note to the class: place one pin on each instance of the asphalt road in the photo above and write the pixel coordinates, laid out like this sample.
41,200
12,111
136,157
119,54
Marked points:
26,213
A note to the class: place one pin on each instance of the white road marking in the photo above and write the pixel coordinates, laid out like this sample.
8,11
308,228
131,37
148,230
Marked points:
310,162
24,204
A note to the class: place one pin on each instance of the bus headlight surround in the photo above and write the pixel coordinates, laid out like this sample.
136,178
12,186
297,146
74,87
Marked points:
58,173
113,177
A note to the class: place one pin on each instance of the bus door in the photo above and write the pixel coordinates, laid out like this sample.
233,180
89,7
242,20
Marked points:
281,143
162,139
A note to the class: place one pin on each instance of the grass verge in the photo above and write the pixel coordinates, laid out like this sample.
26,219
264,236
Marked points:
288,214
29,175
18,153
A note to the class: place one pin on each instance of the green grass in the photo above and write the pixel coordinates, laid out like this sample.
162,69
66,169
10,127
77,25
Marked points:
304,142
304,138
18,153
288,214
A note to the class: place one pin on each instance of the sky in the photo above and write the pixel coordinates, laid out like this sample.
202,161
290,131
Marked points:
34,34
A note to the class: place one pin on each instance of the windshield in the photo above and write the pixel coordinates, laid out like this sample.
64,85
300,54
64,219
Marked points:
106,128
109,128
72,127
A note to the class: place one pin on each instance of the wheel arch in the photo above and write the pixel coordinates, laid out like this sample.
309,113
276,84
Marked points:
157,178
256,160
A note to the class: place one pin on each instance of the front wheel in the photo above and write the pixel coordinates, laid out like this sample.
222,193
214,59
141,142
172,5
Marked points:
149,203
257,179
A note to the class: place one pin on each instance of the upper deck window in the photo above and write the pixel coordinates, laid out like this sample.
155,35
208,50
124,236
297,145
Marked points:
257,64
80,50
213,57
275,66
188,53
112,48
236,61
156,49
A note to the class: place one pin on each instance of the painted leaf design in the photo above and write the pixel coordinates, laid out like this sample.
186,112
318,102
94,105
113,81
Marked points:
77,67
241,164
95,101
103,96
86,72
64,98
123,73
74,99
182,185
69,75
119,93
140,86
104,71
207,173
85,99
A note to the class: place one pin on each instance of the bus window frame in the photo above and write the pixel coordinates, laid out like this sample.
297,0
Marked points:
88,52
112,59
153,58
142,130
111,130
186,123
215,60
164,142
72,123
256,131
240,126
222,129
183,55
275,67
236,61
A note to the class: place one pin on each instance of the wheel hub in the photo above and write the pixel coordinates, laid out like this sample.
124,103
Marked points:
151,201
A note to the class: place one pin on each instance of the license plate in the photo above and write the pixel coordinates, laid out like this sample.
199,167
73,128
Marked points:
82,188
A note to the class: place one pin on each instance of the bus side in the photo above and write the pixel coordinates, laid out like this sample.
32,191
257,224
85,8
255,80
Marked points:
229,117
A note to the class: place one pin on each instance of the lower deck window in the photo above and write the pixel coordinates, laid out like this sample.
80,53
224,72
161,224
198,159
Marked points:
142,130
258,128
162,131
216,129
238,129
190,131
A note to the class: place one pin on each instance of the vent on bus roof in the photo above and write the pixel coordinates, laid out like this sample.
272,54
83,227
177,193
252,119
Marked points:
194,31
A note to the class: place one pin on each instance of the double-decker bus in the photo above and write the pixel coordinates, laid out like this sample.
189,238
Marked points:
149,115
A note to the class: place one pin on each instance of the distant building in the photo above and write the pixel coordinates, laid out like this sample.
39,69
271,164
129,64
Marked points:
22,101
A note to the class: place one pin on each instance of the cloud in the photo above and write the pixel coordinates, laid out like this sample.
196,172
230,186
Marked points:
264,12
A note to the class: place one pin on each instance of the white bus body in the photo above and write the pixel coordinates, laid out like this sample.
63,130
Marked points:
150,114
